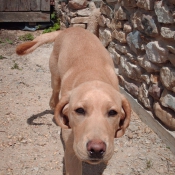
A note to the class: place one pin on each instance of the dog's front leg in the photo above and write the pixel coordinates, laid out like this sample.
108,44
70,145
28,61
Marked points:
73,165
55,83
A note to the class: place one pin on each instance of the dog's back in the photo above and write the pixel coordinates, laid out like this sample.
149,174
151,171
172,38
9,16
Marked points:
77,55
82,51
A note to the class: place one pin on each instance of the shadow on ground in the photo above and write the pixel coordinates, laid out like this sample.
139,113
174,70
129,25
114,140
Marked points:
93,169
30,120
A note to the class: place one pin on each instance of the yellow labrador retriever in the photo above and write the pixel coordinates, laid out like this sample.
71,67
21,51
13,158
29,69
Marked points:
86,99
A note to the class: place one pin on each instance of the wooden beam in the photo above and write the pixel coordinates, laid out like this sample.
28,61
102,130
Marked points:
35,5
2,5
45,5
24,5
24,16
10,5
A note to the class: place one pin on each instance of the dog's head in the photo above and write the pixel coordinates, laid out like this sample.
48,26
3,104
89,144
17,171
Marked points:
94,113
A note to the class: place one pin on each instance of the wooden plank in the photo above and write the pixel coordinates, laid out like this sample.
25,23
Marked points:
10,5
24,16
2,5
45,5
24,5
35,5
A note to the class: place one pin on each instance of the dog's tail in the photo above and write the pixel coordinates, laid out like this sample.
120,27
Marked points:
30,46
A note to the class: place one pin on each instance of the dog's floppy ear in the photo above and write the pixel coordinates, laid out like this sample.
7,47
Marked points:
125,119
61,112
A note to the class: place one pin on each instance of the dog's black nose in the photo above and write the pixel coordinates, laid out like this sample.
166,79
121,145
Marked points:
96,149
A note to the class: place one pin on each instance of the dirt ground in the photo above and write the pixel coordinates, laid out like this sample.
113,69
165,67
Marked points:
29,139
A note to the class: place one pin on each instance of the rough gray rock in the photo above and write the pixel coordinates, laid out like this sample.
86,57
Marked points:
131,70
106,10
119,13
145,78
105,36
167,32
114,55
80,20
132,57
136,19
123,48
127,27
77,4
134,41
113,24
129,3
156,53
154,79
171,48
79,25
102,21
168,99
147,65
149,25
119,35
155,91
167,77
146,4
130,87
163,12
145,23
165,115
143,96
84,12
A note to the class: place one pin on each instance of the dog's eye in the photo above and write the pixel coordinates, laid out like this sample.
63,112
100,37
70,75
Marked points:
112,113
80,111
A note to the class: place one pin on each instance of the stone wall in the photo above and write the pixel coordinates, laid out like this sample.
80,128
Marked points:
140,37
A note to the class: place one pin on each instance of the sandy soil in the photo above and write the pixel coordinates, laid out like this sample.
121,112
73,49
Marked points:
29,139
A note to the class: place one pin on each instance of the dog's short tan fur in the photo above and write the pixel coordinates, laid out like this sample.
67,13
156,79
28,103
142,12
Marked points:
89,108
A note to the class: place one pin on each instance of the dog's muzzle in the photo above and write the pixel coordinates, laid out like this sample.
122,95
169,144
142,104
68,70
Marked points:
96,150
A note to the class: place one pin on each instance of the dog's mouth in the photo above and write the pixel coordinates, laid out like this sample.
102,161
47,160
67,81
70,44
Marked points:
94,161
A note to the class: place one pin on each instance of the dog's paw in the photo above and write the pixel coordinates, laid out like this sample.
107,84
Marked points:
52,104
